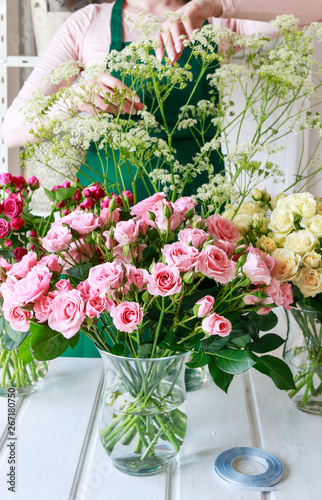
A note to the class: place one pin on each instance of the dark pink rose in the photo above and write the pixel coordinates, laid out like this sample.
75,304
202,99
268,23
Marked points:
19,253
17,223
43,308
77,196
256,270
67,313
221,228
87,204
164,280
180,255
127,316
57,239
4,228
141,208
106,277
214,263
33,183
19,182
8,243
129,196
216,325
12,207
33,286
5,178
194,236
204,306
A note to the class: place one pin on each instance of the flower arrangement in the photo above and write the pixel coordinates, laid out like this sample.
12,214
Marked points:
292,234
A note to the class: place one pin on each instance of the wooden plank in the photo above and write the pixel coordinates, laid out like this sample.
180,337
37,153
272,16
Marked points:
294,436
51,431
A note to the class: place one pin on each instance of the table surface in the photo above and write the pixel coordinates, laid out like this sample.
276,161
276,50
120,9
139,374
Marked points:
59,455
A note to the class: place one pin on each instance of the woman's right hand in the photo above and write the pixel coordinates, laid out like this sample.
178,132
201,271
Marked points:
99,96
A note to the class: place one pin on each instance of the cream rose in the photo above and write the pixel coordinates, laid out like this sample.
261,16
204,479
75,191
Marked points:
267,244
243,222
276,199
303,204
300,242
312,259
287,264
309,281
319,206
282,221
230,212
252,208
313,224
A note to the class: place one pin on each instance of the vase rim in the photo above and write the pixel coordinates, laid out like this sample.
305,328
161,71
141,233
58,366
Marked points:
178,355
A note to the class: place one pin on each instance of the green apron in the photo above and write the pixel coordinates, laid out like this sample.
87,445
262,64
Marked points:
183,141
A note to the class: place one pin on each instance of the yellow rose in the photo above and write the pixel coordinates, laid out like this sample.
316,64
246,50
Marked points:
282,221
300,242
266,244
312,259
313,224
243,222
251,208
303,204
309,281
287,264
230,212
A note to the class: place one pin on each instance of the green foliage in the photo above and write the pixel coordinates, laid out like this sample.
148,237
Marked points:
276,369
221,378
45,343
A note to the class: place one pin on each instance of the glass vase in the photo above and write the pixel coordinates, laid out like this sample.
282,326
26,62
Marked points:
25,378
303,353
195,378
143,415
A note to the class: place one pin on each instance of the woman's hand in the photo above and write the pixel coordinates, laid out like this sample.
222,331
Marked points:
101,95
195,12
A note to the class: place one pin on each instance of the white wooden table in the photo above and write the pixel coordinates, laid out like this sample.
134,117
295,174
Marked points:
59,455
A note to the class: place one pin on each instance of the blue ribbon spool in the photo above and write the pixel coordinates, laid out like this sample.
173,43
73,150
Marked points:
260,482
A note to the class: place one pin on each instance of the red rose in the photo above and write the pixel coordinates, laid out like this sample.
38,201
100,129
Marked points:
19,252
87,204
33,234
12,207
77,196
17,223
4,228
18,182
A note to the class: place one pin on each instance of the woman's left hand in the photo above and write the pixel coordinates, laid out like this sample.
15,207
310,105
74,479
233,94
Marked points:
194,14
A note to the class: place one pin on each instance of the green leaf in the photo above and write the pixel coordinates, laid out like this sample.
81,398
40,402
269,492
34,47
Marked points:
60,194
198,359
24,352
144,351
233,361
46,343
267,343
241,341
212,344
13,334
79,272
264,323
6,254
118,350
73,341
221,378
277,370
8,344
189,302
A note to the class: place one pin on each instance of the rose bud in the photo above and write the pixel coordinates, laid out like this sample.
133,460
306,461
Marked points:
65,185
33,234
77,196
87,204
33,183
8,243
19,252
17,223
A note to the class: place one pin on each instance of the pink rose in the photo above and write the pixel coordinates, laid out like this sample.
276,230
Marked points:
185,204
96,304
58,238
287,294
17,317
161,220
33,183
121,258
109,243
250,300
194,236
17,223
204,306
264,310
256,270
137,277
126,232
22,268
180,255
221,228
67,313
82,222
129,196
127,316
266,257
78,252
5,178
87,290
106,277
43,308
4,264
51,261
33,286
12,207
216,325
141,208
214,263
142,225
63,285
4,228
108,217
164,280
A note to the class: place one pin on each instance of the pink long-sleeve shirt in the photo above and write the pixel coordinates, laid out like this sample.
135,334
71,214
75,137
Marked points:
85,37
